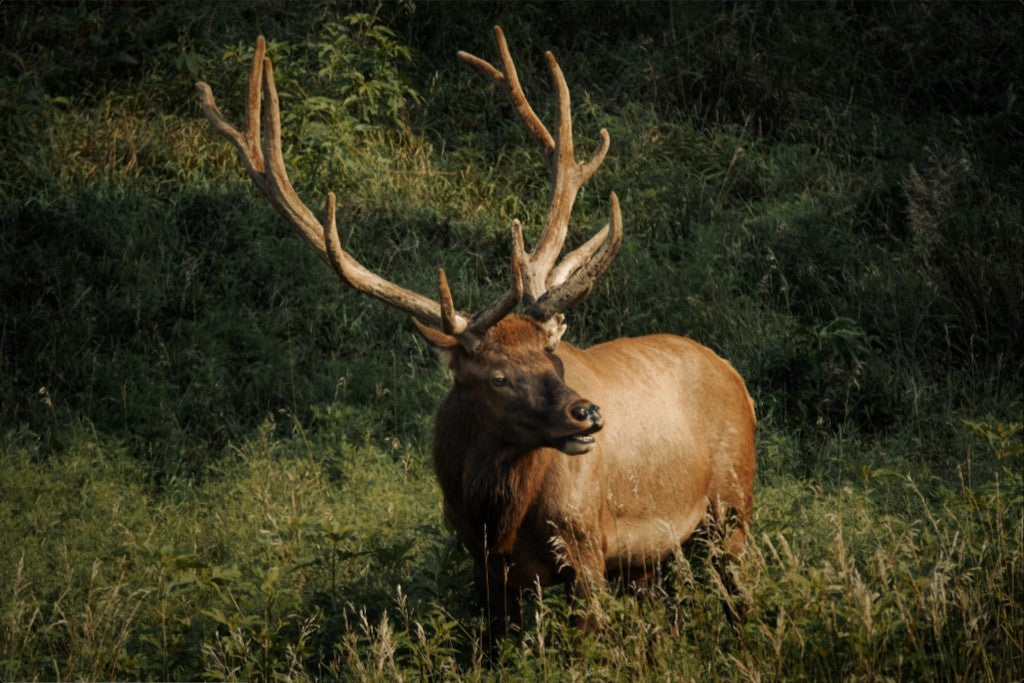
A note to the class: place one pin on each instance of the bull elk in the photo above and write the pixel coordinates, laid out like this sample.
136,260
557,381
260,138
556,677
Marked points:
541,484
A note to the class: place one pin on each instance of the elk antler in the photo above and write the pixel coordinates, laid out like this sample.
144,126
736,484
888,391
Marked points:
551,288
263,159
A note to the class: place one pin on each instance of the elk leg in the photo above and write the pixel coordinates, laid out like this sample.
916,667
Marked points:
585,581
587,615
734,602
729,535
502,601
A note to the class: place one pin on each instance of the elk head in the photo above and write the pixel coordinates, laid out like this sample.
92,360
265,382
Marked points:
517,384
507,361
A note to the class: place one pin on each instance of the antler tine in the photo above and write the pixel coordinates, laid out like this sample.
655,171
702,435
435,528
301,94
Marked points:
277,186
592,261
509,81
252,103
572,261
449,323
356,276
246,141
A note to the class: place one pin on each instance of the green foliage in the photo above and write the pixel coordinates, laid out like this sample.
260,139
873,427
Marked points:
347,78
214,461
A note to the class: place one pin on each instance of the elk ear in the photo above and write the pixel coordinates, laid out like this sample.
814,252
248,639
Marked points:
553,329
443,344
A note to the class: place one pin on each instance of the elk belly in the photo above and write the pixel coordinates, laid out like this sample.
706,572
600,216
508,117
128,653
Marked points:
641,542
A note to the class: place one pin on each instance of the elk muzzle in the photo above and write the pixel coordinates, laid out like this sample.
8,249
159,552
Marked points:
587,417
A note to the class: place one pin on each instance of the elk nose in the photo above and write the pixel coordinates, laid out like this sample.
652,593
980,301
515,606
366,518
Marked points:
585,411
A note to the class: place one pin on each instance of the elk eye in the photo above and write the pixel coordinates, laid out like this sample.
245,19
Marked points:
500,381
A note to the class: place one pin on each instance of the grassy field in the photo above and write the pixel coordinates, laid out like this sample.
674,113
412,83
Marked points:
214,460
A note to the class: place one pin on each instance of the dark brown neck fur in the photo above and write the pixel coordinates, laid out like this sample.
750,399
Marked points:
487,484
500,487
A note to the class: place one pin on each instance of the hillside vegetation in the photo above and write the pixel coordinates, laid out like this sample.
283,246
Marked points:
215,459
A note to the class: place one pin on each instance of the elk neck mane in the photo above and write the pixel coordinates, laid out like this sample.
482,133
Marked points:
493,482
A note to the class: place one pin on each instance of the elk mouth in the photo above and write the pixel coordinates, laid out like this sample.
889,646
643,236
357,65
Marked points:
579,443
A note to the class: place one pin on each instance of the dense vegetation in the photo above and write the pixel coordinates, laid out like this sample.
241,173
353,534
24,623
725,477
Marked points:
214,461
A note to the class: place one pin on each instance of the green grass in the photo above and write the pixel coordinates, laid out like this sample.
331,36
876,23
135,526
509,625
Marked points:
214,461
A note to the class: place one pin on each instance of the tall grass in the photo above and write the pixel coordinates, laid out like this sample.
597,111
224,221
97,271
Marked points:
214,461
